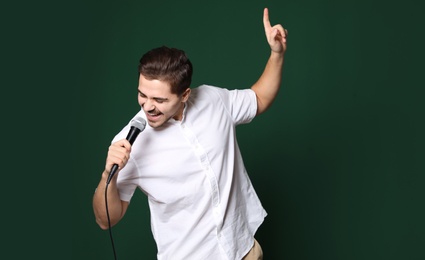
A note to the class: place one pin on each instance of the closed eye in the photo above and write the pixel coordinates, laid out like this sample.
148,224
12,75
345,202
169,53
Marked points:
160,100
157,99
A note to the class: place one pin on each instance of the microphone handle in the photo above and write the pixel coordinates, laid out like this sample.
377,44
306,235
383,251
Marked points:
131,137
112,173
132,134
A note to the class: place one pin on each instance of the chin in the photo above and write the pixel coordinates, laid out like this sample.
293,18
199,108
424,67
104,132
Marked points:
156,124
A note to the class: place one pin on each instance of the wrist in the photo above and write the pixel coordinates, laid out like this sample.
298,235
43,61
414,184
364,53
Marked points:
277,54
105,175
276,57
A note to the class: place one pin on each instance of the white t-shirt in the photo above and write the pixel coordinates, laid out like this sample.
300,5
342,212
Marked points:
203,205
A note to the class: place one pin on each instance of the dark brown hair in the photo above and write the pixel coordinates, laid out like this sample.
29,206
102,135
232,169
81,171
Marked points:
170,65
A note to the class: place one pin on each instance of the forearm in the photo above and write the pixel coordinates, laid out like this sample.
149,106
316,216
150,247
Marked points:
268,85
115,205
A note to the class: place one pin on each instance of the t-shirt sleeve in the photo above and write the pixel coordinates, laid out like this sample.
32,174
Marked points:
241,104
125,182
244,105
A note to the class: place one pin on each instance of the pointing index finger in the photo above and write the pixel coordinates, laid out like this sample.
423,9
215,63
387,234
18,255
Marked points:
266,20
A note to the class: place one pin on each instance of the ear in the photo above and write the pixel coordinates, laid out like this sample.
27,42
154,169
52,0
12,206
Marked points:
186,95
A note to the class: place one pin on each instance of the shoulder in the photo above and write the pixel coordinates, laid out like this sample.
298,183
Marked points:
239,104
213,93
207,90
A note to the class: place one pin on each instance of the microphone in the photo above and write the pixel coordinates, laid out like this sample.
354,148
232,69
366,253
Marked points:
138,124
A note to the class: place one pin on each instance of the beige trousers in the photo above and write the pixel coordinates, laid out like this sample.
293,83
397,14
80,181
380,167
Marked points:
256,253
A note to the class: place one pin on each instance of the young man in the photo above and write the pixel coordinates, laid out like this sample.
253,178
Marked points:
187,160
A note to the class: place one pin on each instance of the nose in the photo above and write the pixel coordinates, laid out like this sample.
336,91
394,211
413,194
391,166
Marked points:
148,105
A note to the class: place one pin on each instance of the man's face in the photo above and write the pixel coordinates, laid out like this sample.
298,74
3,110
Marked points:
158,103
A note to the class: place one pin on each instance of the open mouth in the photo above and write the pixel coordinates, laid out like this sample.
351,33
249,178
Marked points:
153,116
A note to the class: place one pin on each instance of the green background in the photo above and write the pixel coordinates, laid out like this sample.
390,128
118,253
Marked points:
338,160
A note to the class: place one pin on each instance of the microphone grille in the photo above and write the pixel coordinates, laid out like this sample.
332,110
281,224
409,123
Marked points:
139,123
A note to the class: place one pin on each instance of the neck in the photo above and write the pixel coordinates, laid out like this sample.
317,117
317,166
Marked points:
179,115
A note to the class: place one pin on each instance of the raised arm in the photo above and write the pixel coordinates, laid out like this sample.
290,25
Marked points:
267,86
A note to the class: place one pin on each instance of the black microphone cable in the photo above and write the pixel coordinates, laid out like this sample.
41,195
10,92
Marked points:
109,220
137,125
